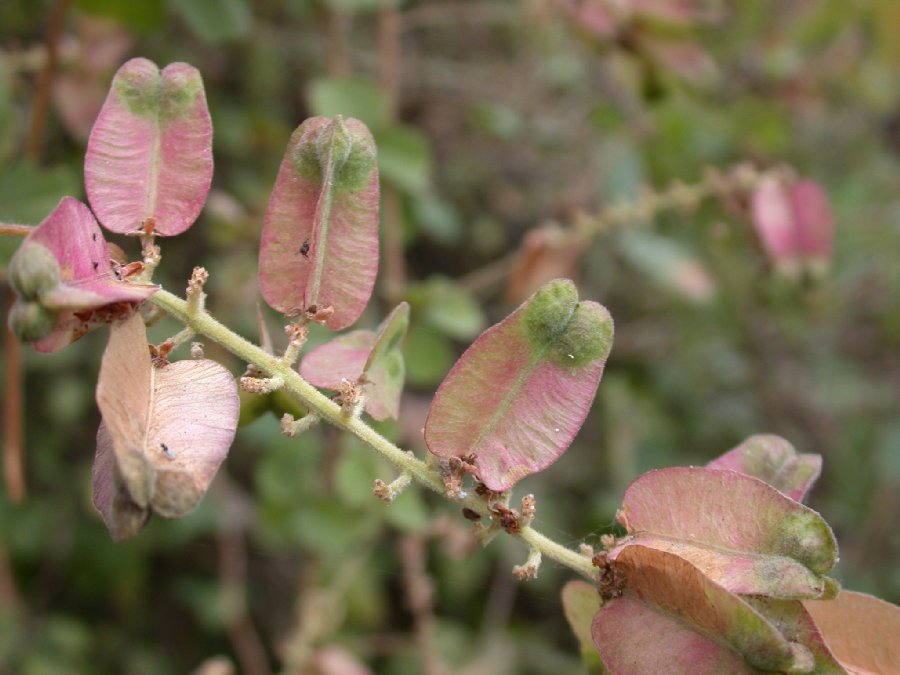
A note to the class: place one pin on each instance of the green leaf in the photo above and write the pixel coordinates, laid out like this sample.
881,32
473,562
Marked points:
437,219
428,357
668,264
404,158
353,5
142,16
501,121
28,193
8,126
448,308
215,20
581,602
350,97
408,511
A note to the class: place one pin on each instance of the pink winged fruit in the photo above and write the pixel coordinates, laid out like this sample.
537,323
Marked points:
65,282
516,398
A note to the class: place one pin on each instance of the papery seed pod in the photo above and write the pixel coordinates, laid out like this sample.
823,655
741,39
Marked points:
319,244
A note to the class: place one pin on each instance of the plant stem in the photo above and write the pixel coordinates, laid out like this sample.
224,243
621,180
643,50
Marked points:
324,407
13,230
737,180
13,442
45,80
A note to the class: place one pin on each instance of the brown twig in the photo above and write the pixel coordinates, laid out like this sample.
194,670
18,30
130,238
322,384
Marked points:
41,104
13,440
419,592
9,596
13,230
320,609
248,646
389,29
740,179
394,266
13,470
453,13
337,52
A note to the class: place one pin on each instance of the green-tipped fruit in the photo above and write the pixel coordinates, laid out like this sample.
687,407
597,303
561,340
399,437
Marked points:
352,152
33,270
549,312
30,321
832,588
146,92
588,337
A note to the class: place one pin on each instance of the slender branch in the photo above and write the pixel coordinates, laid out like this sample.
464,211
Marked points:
737,180
338,51
328,410
13,230
9,594
419,599
245,640
13,441
45,79
394,261
13,466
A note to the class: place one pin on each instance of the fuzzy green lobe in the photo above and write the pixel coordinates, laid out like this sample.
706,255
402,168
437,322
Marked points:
33,270
563,330
30,321
146,93
801,535
352,155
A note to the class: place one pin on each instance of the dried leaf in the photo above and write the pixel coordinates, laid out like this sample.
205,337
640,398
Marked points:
64,268
150,151
728,511
861,631
546,253
673,618
166,429
517,397
320,238
362,352
774,460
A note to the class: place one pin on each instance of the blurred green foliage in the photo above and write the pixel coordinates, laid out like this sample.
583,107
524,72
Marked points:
506,116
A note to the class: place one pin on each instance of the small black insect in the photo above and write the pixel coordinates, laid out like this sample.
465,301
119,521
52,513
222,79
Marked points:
304,250
96,265
94,236
168,453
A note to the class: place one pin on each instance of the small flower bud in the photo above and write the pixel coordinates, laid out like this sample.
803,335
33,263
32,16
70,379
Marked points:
33,270
30,321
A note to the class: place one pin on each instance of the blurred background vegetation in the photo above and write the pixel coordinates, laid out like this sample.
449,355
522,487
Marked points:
493,118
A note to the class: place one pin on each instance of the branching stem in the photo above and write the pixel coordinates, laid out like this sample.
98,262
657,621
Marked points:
324,407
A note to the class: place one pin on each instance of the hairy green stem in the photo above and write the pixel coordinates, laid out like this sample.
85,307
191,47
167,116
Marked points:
324,407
